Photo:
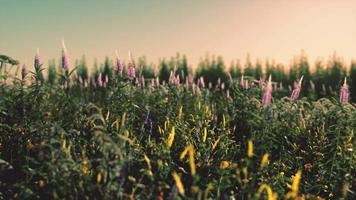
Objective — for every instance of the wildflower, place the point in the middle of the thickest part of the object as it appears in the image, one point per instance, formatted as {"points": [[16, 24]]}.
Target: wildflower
{"points": [[98, 177], [157, 81], [177, 80], [224, 164], [86, 167], [119, 65], [344, 93], [267, 94], [131, 72], [194, 88], [23, 72], [201, 82], [296, 90], [205, 134], [270, 194], [41, 183], [295, 185], [123, 118], [143, 82], [148, 161], [180, 113], [179, 183], [189, 149], [37, 62], [242, 82], [215, 144], [308, 166], [194, 189], [250, 148], [171, 137], [65, 58], [264, 160]]}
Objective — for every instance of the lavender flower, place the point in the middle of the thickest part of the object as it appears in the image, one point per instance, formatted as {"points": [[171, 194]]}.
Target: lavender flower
{"points": [[194, 88], [267, 94], [201, 82], [242, 82], [344, 93], [296, 90], [65, 58], [177, 80], [131, 72], [143, 82], [37, 62], [246, 85], [119, 65], [23, 72], [157, 81]]}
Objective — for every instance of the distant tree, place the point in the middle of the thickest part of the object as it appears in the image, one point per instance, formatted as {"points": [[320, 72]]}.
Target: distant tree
{"points": [[318, 78], [353, 80], [336, 73], [212, 71], [303, 70], [107, 69], [236, 69], [249, 69], [52, 72], [164, 71], [82, 69], [258, 70]]}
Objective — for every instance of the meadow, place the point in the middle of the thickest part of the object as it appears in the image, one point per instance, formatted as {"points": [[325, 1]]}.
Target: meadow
{"points": [[127, 132]]}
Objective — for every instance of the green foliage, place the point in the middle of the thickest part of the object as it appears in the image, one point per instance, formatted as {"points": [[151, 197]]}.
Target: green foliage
{"points": [[112, 142]]}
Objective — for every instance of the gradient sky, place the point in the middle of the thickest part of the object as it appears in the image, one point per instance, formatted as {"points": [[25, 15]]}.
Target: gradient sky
{"points": [[159, 28]]}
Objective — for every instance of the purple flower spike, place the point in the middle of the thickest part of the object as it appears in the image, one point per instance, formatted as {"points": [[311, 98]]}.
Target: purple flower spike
{"points": [[242, 82], [201, 82], [65, 59], [296, 90], [267, 94], [131, 72], [344, 93], [37, 61], [119, 65], [23, 72]]}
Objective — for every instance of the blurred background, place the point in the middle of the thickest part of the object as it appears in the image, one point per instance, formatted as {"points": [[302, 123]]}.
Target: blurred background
{"points": [[286, 39], [159, 29]]}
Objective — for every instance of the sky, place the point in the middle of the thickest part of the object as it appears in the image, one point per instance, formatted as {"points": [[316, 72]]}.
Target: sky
{"points": [[273, 29]]}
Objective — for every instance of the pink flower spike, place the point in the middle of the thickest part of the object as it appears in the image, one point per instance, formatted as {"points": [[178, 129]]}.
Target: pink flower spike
{"points": [[267, 94], [344, 93], [37, 62], [296, 90], [65, 58]]}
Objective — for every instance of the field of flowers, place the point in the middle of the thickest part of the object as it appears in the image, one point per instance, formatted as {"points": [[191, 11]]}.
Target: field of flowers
{"points": [[124, 137]]}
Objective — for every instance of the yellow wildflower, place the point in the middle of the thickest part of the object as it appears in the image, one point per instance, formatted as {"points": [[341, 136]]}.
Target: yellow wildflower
{"points": [[180, 113], [250, 149], [171, 137], [123, 118], [264, 160], [224, 164], [295, 185], [179, 183], [267, 188], [189, 149], [205, 134]]}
